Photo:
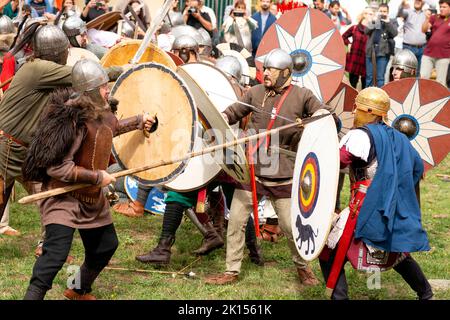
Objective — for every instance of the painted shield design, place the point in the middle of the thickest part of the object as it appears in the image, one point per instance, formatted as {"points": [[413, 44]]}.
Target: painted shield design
{"points": [[315, 45], [422, 109], [243, 55], [217, 131], [342, 102], [314, 186], [155, 201], [171, 101]]}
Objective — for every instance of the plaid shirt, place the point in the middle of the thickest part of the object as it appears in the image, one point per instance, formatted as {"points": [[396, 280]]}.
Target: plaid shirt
{"points": [[356, 58]]}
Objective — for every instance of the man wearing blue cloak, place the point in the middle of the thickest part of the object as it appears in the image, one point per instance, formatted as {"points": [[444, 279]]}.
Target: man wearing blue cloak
{"points": [[383, 223]]}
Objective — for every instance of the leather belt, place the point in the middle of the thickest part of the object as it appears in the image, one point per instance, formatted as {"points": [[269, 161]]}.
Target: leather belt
{"points": [[23, 144], [415, 45]]}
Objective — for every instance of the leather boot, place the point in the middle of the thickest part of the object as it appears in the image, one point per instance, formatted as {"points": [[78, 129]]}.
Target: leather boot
{"points": [[211, 241], [133, 209], [255, 253], [34, 293], [307, 277], [218, 218], [161, 254]]}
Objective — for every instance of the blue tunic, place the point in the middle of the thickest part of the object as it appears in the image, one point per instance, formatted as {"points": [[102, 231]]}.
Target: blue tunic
{"points": [[390, 218]]}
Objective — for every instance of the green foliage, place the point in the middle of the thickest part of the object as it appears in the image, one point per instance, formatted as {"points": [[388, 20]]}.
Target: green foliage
{"points": [[277, 280]]}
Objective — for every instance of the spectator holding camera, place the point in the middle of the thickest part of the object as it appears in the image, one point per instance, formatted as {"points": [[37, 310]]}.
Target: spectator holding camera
{"points": [[42, 7], [380, 46], [238, 26], [94, 9], [194, 17], [437, 51], [335, 14]]}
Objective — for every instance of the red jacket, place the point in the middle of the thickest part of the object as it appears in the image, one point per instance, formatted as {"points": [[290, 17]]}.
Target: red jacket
{"points": [[356, 58]]}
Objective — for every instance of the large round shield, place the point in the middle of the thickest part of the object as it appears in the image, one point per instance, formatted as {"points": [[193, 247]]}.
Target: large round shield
{"points": [[122, 53], [342, 102], [158, 91], [314, 187], [155, 200], [422, 107], [76, 54], [245, 59], [315, 45], [201, 170], [217, 131]]}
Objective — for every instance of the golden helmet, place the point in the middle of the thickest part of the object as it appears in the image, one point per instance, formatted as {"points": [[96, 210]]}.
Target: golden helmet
{"points": [[373, 100]]}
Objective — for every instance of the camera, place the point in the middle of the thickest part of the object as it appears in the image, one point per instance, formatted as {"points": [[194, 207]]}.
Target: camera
{"points": [[192, 10], [238, 13]]}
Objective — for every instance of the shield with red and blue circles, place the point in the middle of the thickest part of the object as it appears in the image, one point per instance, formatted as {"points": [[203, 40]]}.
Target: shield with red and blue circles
{"points": [[314, 186]]}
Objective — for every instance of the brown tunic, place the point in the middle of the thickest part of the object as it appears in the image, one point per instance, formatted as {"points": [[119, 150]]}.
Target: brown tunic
{"points": [[300, 103], [79, 209]]}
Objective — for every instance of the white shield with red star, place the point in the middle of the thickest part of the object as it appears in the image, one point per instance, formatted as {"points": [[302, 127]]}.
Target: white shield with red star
{"points": [[315, 45], [424, 106]]}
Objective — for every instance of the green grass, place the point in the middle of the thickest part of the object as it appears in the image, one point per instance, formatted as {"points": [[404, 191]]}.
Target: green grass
{"points": [[277, 280]]}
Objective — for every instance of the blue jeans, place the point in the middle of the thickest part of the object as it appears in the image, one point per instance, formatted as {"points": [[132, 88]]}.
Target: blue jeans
{"points": [[381, 69], [418, 52]]}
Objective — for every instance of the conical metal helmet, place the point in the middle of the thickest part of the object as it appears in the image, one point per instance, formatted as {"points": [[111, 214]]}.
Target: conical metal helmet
{"points": [[88, 75], [6, 25], [407, 61], [278, 59], [185, 42], [74, 26], [188, 31], [230, 65], [49, 40], [206, 38]]}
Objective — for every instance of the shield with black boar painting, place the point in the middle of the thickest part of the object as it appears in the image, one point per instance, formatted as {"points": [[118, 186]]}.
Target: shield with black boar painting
{"points": [[155, 89], [315, 45], [314, 187], [421, 109]]}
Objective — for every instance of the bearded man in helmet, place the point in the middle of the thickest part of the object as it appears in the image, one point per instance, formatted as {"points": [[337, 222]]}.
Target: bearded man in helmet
{"points": [[276, 96], [76, 31], [384, 211], [73, 145]]}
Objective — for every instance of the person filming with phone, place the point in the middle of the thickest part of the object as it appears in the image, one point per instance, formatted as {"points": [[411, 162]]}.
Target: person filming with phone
{"points": [[238, 26], [94, 9]]}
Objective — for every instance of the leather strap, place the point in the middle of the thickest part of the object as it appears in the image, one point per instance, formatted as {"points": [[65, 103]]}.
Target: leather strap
{"points": [[251, 152], [10, 137], [359, 190]]}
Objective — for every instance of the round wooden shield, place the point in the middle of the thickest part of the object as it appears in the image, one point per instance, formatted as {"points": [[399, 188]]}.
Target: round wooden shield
{"points": [[342, 102], [76, 54], [243, 55], [217, 131], [310, 37], [170, 100], [105, 22], [178, 61], [314, 187], [122, 53], [425, 105], [155, 201], [201, 170]]}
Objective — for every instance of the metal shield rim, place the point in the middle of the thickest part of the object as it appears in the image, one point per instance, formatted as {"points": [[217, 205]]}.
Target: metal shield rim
{"points": [[192, 104], [202, 118], [318, 249]]}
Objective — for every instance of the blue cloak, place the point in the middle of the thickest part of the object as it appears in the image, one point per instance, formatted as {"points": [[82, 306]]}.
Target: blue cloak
{"points": [[390, 217]]}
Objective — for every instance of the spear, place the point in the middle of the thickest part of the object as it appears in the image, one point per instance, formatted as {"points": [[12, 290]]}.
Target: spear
{"points": [[66, 189]]}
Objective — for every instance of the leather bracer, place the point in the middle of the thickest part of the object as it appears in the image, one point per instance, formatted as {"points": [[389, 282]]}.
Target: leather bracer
{"points": [[130, 124], [83, 175]]}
